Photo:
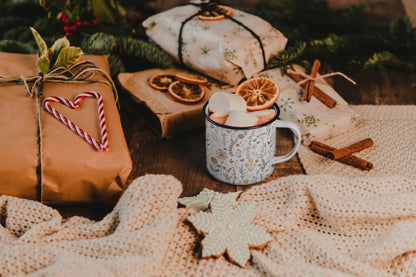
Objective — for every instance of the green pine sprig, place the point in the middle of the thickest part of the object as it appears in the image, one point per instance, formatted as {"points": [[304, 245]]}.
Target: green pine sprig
{"points": [[127, 53], [290, 56]]}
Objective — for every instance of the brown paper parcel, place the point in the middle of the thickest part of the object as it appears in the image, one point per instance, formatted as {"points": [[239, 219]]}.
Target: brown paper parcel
{"points": [[68, 169], [170, 117]]}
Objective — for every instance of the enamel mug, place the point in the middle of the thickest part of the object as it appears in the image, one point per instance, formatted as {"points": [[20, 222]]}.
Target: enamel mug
{"points": [[245, 155]]}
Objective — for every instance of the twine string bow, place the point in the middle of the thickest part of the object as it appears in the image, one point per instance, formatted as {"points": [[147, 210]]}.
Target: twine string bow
{"points": [[319, 78], [302, 78], [209, 6], [81, 72]]}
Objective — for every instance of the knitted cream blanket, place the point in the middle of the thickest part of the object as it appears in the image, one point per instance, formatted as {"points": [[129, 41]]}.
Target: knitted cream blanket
{"points": [[321, 226], [393, 130]]}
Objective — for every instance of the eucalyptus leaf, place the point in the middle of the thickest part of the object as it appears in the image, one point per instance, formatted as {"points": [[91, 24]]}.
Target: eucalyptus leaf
{"points": [[68, 56], [57, 46], [43, 48], [43, 64]]}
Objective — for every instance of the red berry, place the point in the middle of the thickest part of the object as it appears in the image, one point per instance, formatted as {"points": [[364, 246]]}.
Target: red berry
{"points": [[65, 20], [86, 23], [62, 16], [95, 21], [68, 34], [78, 23], [66, 28], [73, 28]]}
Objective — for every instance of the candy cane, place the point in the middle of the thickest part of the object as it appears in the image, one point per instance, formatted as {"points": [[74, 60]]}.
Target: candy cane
{"points": [[103, 146]]}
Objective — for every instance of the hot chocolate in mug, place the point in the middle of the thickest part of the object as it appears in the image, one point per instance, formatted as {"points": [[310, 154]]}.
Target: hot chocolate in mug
{"points": [[245, 155]]}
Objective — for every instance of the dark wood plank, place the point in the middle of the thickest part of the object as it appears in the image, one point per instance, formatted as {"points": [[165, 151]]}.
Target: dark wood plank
{"points": [[381, 88]]}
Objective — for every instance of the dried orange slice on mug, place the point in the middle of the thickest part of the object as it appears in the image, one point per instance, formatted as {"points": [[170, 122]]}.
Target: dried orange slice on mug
{"points": [[191, 78], [217, 13], [259, 93], [185, 92], [162, 81]]}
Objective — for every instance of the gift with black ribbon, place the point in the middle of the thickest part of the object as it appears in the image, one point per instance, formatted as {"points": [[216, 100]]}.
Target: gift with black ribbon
{"points": [[46, 158], [229, 46]]}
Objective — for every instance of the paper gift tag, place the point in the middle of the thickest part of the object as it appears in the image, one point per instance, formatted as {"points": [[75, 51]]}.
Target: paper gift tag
{"points": [[316, 121]]}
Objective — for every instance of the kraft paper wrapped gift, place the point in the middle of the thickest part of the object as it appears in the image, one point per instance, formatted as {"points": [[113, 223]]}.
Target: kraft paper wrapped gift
{"points": [[60, 167], [167, 116], [315, 120], [222, 49]]}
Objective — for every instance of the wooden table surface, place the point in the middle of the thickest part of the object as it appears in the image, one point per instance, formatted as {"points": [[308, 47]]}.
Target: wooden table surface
{"points": [[184, 156]]}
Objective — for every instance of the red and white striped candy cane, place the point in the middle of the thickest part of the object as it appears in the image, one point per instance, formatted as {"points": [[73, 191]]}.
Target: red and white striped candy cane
{"points": [[103, 146]]}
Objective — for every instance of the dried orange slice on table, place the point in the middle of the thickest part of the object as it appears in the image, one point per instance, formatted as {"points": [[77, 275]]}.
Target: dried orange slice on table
{"points": [[162, 81], [185, 92], [217, 13], [192, 78], [259, 93]]}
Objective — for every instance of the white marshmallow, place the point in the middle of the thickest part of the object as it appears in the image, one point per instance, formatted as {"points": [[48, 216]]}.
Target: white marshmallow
{"points": [[264, 115], [219, 118], [238, 118], [224, 102]]}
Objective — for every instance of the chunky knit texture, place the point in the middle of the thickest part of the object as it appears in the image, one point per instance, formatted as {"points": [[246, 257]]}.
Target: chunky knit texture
{"points": [[321, 226], [393, 130]]}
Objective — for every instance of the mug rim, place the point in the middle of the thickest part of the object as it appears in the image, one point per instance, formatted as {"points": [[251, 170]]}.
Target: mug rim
{"points": [[274, 106]]}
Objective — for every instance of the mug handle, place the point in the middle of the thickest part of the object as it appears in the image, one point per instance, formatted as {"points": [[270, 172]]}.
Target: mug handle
{"points": [[296, 131]]}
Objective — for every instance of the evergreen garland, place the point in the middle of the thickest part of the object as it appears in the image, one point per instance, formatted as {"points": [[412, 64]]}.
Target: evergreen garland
{"points": [[126, 53], [340, 38], [124, 44], [16, 47]]}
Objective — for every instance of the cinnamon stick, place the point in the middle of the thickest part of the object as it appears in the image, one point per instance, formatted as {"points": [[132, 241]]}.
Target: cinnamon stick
{"points": [[317, 92], [324, 98], [324, 150], [356, 147], [310, 84]]}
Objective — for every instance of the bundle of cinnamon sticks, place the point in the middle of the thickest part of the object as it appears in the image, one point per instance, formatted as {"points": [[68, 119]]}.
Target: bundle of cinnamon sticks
{"points": [[344, 155], [310, 88]]}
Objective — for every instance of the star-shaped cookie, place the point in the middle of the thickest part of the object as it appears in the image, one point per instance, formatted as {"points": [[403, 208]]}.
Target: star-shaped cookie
{"points": [[202, 200], [229, 228]]}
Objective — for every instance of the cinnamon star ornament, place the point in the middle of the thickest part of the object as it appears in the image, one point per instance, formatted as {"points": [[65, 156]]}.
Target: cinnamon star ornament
{"points": [[228, 228]]}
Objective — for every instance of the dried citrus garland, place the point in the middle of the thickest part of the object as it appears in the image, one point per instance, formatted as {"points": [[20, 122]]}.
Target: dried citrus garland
{"points": [[217, 13], [182, 87]]}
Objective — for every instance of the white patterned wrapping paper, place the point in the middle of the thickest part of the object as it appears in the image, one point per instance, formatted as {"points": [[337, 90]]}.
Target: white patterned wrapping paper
{"points": [[315, 120], [221, 49]]}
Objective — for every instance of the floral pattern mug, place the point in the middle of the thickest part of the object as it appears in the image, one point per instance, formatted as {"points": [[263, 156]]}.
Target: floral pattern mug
{"points": [[245, 155]]}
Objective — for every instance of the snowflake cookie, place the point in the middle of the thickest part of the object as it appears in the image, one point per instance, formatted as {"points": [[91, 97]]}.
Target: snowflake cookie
{"points": [[227, 227], [202, 200]]}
